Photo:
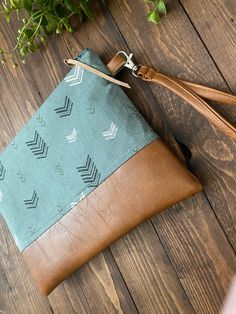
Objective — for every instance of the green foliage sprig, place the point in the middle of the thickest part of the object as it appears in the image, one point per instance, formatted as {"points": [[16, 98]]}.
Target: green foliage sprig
{"points": [[39, 18], [159, 10]]}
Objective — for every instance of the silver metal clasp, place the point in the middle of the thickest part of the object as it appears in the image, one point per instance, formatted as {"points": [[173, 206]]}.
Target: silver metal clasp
{"points": [[130, 64]]}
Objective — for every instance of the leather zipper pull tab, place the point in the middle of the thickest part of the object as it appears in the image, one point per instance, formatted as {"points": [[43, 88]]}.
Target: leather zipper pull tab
{"points": [[72, 62]]}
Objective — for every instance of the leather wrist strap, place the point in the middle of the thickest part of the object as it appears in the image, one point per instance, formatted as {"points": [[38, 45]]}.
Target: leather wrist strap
{"points": [[190, 92], [185, 92], [118, 62]]}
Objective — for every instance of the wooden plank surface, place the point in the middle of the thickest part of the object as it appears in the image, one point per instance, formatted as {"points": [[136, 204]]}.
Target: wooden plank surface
{"points": [[181, 261], [219, 18], [180, 52], [18, 294], [147, 271], [198, 249], [95, 288]]}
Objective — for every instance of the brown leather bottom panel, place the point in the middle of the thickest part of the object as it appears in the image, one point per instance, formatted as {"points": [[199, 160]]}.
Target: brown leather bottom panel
{"points": [[150, 181]]}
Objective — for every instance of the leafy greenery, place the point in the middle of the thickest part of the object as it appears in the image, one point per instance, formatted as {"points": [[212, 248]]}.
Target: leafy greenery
{"points": [[40, 18], [159, 10]]}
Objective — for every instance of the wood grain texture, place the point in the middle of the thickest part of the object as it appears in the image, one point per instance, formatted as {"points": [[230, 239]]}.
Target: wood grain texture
{"points": [[181, 261], [148, 273], [199, 251], [95, 288], [215, 22], [18, 294], [179, 52], [111, 291]]}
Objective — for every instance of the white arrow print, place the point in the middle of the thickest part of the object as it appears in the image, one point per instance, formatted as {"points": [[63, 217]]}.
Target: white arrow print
{"points": [[76, 78], [73, 204], [72, 137], [1, 196], [111, 134], [82, 196]]}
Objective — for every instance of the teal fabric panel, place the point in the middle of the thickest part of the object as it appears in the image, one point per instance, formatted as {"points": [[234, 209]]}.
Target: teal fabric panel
{"points": [[80, 135]]}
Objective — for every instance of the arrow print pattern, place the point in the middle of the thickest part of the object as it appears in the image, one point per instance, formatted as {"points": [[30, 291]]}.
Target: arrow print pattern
{"points": [[33, 202], [91, 109], [40, 120], [31, 230], [82, 196], [20, 176], [14, 145], [76, 78], [2, 171], [60, 209], [73, 204], [111, 133], [38, 146], [59, 168], [66, 109], [89, 173], [72, 137]]}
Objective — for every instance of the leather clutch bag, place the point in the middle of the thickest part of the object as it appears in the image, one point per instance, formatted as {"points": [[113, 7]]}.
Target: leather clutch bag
{"points": [[85, 170]]}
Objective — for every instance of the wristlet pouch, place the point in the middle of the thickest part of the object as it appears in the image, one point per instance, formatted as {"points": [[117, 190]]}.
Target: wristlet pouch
{"points": [[82, 172]]}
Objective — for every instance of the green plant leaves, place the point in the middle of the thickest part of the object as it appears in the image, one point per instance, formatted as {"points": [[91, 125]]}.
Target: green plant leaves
{"points": [[52, 24], [153, 17], [84, 4], [44, 17], [27, 4], [15, 4], [159, 9], [67, 25], [71, 6], [7, 12], [26, 34], [23, 51]]}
